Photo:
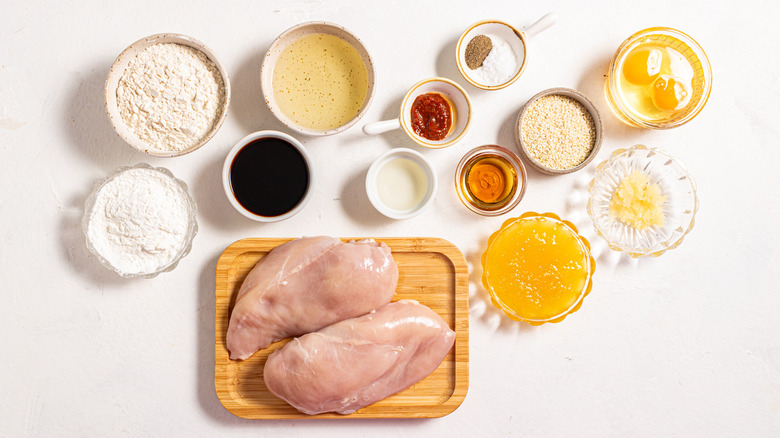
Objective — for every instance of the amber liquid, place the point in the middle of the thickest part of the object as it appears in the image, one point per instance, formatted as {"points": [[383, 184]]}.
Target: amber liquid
{"points": [[269, 177], [490, 182]]}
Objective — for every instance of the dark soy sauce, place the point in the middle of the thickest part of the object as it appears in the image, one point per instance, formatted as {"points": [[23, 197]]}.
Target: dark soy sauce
{"points": [[269, 177]]}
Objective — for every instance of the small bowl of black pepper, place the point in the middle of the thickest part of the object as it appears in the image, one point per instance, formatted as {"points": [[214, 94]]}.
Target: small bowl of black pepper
{"points": [[492, 54], [558, 131]]}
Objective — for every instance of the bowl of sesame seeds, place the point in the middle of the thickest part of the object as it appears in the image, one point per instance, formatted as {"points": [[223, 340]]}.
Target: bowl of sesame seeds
{"points": [[558, 131]]}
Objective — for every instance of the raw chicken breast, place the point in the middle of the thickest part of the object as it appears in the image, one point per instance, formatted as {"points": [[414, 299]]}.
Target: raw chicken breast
{"points": [[356, 362], [305, 285]]}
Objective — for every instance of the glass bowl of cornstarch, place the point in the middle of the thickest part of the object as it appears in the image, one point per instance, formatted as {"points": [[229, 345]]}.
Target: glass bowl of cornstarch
{"points": [[140, 221], [167, 95]]}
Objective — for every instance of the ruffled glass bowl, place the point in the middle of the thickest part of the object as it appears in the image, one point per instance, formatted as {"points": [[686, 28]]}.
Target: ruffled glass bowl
{"points": [[192, 228], [555, 312], [679, 207]]}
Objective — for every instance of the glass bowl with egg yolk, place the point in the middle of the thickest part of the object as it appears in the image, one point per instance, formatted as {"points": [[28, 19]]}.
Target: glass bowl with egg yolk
{"points": [[659, 78], [537, 268]]}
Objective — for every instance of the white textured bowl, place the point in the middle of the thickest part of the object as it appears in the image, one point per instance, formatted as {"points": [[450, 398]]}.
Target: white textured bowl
{"points": [[229, 188], [118, 70], [372, 185], [288, 37]]}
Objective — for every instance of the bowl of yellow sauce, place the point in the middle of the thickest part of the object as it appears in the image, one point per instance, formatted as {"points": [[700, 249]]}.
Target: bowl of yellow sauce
{"points": [[317, 78], [659, 78], [537, 268]]}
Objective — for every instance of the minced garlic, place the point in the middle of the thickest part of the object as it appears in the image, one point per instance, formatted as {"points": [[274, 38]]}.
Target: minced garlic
{"points": [[637, 202]]}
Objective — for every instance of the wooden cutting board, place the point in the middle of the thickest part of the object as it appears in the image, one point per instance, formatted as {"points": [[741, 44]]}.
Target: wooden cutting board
{"points": [[431, 271]]}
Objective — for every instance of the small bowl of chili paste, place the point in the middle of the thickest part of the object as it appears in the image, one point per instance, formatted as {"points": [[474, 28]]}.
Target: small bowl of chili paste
{"points": [[435, 113]]}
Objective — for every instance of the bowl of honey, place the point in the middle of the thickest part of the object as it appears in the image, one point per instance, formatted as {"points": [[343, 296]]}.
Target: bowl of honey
{"points": [[659, 78], [490, 180], [537, 268]]}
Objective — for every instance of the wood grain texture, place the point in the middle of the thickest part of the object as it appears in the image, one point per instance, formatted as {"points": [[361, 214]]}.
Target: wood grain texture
{"points": [[432, 271]]}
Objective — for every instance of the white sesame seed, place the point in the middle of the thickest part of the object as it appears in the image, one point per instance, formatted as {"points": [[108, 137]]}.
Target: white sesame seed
{"points": [[558, 132]]}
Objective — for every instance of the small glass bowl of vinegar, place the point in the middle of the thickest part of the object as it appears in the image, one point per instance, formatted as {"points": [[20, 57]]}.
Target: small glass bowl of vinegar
{"points": [[490, 180], [659, 78], [537, 268]]}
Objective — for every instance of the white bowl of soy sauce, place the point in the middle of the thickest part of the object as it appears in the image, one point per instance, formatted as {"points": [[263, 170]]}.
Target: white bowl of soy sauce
{"points": [[268, 176]]}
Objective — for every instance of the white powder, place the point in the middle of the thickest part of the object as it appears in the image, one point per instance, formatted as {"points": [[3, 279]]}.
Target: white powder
{"points": [[170, 96], [499, 66], [140, 220]]}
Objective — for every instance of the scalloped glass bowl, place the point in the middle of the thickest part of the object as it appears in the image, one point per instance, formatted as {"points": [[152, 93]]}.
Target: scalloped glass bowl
{"points": [[679, 207], [557, 309], [192, 228]]}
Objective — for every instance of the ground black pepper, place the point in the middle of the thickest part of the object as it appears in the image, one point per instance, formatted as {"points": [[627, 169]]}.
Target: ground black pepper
{"points": [[477, 50]]}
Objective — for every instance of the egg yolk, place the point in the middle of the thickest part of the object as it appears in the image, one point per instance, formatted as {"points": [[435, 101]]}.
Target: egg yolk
{"points": [[669, 93], [642, 66]]}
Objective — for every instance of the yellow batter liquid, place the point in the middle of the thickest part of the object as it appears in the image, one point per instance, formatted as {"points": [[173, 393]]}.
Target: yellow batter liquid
{"points": [[320, 82], [537, 268]]}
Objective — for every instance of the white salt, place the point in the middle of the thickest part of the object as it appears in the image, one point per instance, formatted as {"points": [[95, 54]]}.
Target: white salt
{"points": [[499, 66]]}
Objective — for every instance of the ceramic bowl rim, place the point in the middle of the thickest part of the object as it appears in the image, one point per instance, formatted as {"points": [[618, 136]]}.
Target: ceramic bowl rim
{"points": [[459, 62], [373, 195], [227, 186], [586, 103], [405, 103], [269, 63], [115, 74]]}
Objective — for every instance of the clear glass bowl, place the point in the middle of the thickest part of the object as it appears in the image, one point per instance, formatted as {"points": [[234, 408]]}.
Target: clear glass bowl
{"points": [[192, 228], [506, 203], [679, 208], [557, 309], [674, 39]]}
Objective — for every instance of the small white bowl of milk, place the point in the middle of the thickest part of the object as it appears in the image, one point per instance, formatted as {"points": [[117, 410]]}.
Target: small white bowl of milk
{"points": [[401, 183]]}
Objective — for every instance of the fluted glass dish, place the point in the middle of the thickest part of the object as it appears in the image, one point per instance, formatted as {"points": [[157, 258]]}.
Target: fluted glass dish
{"points": [[192, 227], [679, 207], [537, 268]]}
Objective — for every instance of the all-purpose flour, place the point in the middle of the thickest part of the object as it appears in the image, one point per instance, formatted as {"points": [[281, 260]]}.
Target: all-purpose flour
{"points": [[139, 221], [171, 96]]}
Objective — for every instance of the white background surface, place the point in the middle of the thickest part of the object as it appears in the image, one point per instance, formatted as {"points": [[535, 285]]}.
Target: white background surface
{"points": [[683, 345]]}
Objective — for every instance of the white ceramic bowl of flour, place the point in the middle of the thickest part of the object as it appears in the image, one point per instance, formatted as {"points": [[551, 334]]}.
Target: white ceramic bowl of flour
{"points": [[140, 221], [167, 95]]}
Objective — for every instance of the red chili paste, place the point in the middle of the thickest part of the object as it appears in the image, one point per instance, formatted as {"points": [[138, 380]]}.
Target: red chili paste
{"points": [[431, 116]]}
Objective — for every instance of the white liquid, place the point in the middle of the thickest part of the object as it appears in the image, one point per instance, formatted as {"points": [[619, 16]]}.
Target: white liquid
{"points": [[401, 184]]}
